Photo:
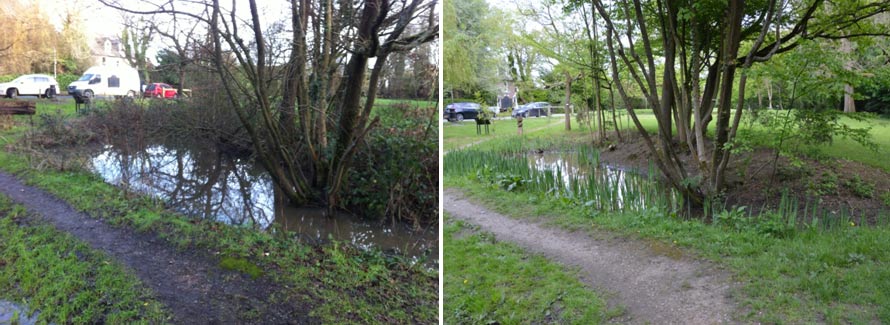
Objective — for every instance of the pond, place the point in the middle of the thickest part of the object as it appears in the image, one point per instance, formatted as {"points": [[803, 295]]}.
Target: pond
{"points": [[577, 174], [206, 183]]}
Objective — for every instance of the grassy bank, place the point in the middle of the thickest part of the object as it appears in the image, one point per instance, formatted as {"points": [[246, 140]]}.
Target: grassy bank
{"points": [[65, 280], [488, 281], [342, 283]]}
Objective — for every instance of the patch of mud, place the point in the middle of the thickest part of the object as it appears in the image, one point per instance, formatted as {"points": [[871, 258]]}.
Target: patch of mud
{"points": [[655, 285], [189, 283], [757, 179]]}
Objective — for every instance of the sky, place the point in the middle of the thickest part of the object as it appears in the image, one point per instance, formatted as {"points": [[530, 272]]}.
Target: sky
{"points": [[100, 20]]}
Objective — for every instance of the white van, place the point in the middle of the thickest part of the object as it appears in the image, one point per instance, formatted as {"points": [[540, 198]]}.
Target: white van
{"points": [[106, 81]]}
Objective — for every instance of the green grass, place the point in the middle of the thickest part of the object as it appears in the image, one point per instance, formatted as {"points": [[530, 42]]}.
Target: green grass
{"points": [[64, 279], [344, 284], [411, 102], [458, 135], [850, 150], [241, 265], [797, 276], [488, 281]]}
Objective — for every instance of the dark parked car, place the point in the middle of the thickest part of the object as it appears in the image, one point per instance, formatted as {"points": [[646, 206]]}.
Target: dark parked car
{"points": [[533, 109], [461, 111]]}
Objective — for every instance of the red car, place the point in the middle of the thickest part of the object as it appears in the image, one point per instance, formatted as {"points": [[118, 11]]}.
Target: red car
{"points": [[160, 90]]}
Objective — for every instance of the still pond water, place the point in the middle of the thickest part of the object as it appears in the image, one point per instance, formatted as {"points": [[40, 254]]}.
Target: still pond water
{"points": [[608, 187], [205, 183]]}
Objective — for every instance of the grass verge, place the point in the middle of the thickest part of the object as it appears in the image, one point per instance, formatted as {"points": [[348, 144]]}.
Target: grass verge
{"points": [[66, 281], [802, 276], [492, 282]]}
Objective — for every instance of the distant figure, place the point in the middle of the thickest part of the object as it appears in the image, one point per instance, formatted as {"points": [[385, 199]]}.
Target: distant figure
{"points": [[519, 124]]}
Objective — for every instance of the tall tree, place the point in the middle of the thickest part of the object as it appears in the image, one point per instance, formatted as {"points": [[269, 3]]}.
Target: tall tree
{"points": [[135, 38], [473, 37]]}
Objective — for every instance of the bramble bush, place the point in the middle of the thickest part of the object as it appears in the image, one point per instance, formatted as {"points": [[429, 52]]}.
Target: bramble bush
{"points": [[396, 174]]}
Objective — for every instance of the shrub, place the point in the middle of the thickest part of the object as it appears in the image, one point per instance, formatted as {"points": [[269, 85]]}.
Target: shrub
{"points": [[64, 80], [886, 198], [396, 174], [861, 188], [827, 184]]}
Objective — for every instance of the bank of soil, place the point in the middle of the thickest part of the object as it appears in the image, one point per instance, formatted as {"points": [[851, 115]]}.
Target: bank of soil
{"points": [[189, 283], [757, 179], [654, 283]]}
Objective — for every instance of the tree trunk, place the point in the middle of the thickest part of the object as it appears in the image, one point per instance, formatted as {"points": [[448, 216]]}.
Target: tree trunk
{"points": [[849, 104], [729, 52], [568, 102]]}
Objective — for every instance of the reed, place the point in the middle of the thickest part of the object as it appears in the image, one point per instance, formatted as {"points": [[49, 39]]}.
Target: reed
{"points": [[575, 174]]}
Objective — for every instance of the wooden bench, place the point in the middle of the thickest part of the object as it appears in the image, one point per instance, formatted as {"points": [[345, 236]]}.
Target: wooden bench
{"points": [[18, 107], [480, 122]]}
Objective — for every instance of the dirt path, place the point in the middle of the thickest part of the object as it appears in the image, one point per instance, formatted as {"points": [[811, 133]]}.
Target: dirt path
{"points": [[652, 287], [189, 283]]}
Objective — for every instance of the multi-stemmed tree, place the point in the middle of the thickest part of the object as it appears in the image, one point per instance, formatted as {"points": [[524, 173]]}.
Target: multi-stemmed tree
{"points": [[711, 41], [302, 87]]}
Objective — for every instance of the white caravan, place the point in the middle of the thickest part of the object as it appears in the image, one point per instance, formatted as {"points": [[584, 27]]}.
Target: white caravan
{"points": [[106, 81]]}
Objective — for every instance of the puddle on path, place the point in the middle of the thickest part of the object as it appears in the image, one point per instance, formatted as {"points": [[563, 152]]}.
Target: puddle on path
{"points": [[206, 183], [11, 313]]}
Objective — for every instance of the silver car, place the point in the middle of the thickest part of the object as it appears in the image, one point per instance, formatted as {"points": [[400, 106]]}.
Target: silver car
{"points": [[30, 85]]}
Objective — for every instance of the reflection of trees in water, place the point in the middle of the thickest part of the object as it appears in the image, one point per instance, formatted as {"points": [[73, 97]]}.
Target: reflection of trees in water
{"points": [[201, 183]]}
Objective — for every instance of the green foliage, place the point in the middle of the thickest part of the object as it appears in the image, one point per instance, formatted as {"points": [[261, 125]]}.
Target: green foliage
{"points": [[471, 32], [886, 198], [826, 185], [64, 80], [489, 282], [861, 188], [795, 130], [505, 181], [396, 175], [768, 224], [168, 66]]}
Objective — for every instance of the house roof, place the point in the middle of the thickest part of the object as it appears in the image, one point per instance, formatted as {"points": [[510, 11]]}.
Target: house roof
{"points": [[110, 46]]}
